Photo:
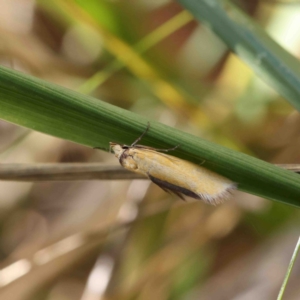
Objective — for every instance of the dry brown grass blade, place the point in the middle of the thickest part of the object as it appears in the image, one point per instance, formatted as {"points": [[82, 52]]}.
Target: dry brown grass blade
{"points": [[64, 171]]}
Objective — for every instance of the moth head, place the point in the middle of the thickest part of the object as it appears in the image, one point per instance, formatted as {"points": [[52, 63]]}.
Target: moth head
{"points": [[125, 158], [117, 149]]}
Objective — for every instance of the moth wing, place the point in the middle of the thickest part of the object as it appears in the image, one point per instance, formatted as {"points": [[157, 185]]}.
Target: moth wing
{"points": [[167, 186], [176, 174], [171, 158]]}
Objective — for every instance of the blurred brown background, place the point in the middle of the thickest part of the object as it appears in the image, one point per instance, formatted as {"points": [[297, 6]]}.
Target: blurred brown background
{"points": [[124, 240]]}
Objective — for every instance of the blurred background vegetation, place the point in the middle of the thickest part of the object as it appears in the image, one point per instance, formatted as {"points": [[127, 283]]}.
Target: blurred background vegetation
{"points": [[128, 239]]}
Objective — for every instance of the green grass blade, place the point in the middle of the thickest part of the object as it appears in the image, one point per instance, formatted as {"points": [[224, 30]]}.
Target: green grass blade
{"points": [[289, 270], [250, 42], [60, 112]]}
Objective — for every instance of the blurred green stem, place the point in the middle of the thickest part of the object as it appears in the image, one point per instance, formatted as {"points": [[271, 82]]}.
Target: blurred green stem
{"points": [[288, 273], [252, 44], [142, 46]]}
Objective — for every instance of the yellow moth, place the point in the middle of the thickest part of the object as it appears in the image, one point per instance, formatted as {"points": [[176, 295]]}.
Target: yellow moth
{"points": [[173, 174]]}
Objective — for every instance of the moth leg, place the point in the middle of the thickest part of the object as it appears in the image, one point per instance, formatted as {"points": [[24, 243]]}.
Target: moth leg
{"points": [[179, 195], [166, 186]]}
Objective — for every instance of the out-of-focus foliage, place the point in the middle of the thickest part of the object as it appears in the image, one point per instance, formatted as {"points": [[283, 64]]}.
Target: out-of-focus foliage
{"points": [[130, 240]]}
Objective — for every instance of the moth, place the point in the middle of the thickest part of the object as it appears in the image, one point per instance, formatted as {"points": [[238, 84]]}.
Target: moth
{"points": [[173, 174]]}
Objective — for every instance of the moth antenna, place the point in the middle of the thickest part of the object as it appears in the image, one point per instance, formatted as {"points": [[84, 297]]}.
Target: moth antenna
{"points": [[169, 149], [139, 138]]}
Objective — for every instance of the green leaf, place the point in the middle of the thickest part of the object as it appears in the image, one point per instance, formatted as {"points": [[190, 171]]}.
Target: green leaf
{"points": [[60, 112], [252, 44]]}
